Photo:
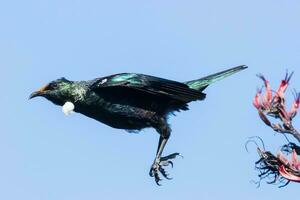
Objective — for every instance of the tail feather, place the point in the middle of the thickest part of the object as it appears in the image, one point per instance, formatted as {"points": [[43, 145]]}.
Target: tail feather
{"points": [[202, 83]]}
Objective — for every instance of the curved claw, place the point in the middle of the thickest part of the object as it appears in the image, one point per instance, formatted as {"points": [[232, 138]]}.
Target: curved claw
{"points": [[154, 173], [151, 172], [171, 156], [164, 163], [158, 167], [157, 179], [164, 173], [171, 163]]}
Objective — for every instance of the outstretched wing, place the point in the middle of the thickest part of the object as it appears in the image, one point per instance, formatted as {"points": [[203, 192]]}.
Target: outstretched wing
{"points": [[146, 91], [149, 85]]}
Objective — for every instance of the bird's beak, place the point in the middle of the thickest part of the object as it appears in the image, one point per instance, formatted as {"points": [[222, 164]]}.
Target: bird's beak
{"points": [[39, 92]]}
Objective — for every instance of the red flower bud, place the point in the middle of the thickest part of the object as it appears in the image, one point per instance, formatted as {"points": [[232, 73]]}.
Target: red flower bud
{"points": [[268, 94], [289, 176], [256, 100], [283, 85], [295, 106], [295, 161]]}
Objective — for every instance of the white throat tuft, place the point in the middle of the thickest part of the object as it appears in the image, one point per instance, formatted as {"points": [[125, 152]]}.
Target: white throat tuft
{"points": [[68, 108]]}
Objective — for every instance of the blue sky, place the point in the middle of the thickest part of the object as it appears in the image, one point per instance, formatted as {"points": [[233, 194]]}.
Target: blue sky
{"points": [[46, 155]]}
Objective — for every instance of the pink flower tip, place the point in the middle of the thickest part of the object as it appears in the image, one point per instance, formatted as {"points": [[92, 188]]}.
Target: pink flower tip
{"points": [[295, 106], [284, 84], [256, 100], [288, 175]]}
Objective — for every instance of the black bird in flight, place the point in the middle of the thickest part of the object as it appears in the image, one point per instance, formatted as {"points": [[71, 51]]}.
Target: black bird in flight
{"points": [[132, 102]]}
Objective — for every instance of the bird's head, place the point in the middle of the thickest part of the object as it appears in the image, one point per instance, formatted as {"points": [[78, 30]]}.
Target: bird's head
{"points": [[58, 91]]}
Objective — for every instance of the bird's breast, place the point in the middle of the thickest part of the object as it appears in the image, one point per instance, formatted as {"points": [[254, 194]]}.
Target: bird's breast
{"points": [[116, 115]]}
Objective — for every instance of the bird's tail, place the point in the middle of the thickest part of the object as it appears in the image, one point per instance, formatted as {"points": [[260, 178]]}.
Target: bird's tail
{"points": [[202, 83]]}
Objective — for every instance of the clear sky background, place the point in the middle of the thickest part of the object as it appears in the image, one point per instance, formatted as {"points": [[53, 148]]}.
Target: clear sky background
{"points": [[48, 156]]}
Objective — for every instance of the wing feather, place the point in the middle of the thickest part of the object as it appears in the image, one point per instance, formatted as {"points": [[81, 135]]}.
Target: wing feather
{"points": [[149, 85]]}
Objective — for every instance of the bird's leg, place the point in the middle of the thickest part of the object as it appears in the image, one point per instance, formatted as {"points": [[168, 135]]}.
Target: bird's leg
{"points": [[165, 161], [161, 162]]}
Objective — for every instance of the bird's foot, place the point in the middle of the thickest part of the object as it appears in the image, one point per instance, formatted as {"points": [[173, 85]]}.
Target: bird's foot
{"points": [[158, 167]]}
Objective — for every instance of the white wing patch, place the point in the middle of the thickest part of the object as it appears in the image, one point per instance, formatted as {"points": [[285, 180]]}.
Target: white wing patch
{"points": [[103, 81], [68, 108]]}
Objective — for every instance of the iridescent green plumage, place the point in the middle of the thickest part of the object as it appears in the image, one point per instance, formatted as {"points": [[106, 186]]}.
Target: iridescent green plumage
{"points": [[132, 101], [202, 83]]}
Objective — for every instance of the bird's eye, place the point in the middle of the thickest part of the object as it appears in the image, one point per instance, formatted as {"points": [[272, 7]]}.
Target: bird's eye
{"points": [[52, 86]]}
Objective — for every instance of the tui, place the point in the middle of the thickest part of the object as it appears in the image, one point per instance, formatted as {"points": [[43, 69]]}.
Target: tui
{"points": [[132, 102]]}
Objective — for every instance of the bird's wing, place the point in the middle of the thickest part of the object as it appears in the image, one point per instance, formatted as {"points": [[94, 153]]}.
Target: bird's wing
{"points": [[148, 85]]}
